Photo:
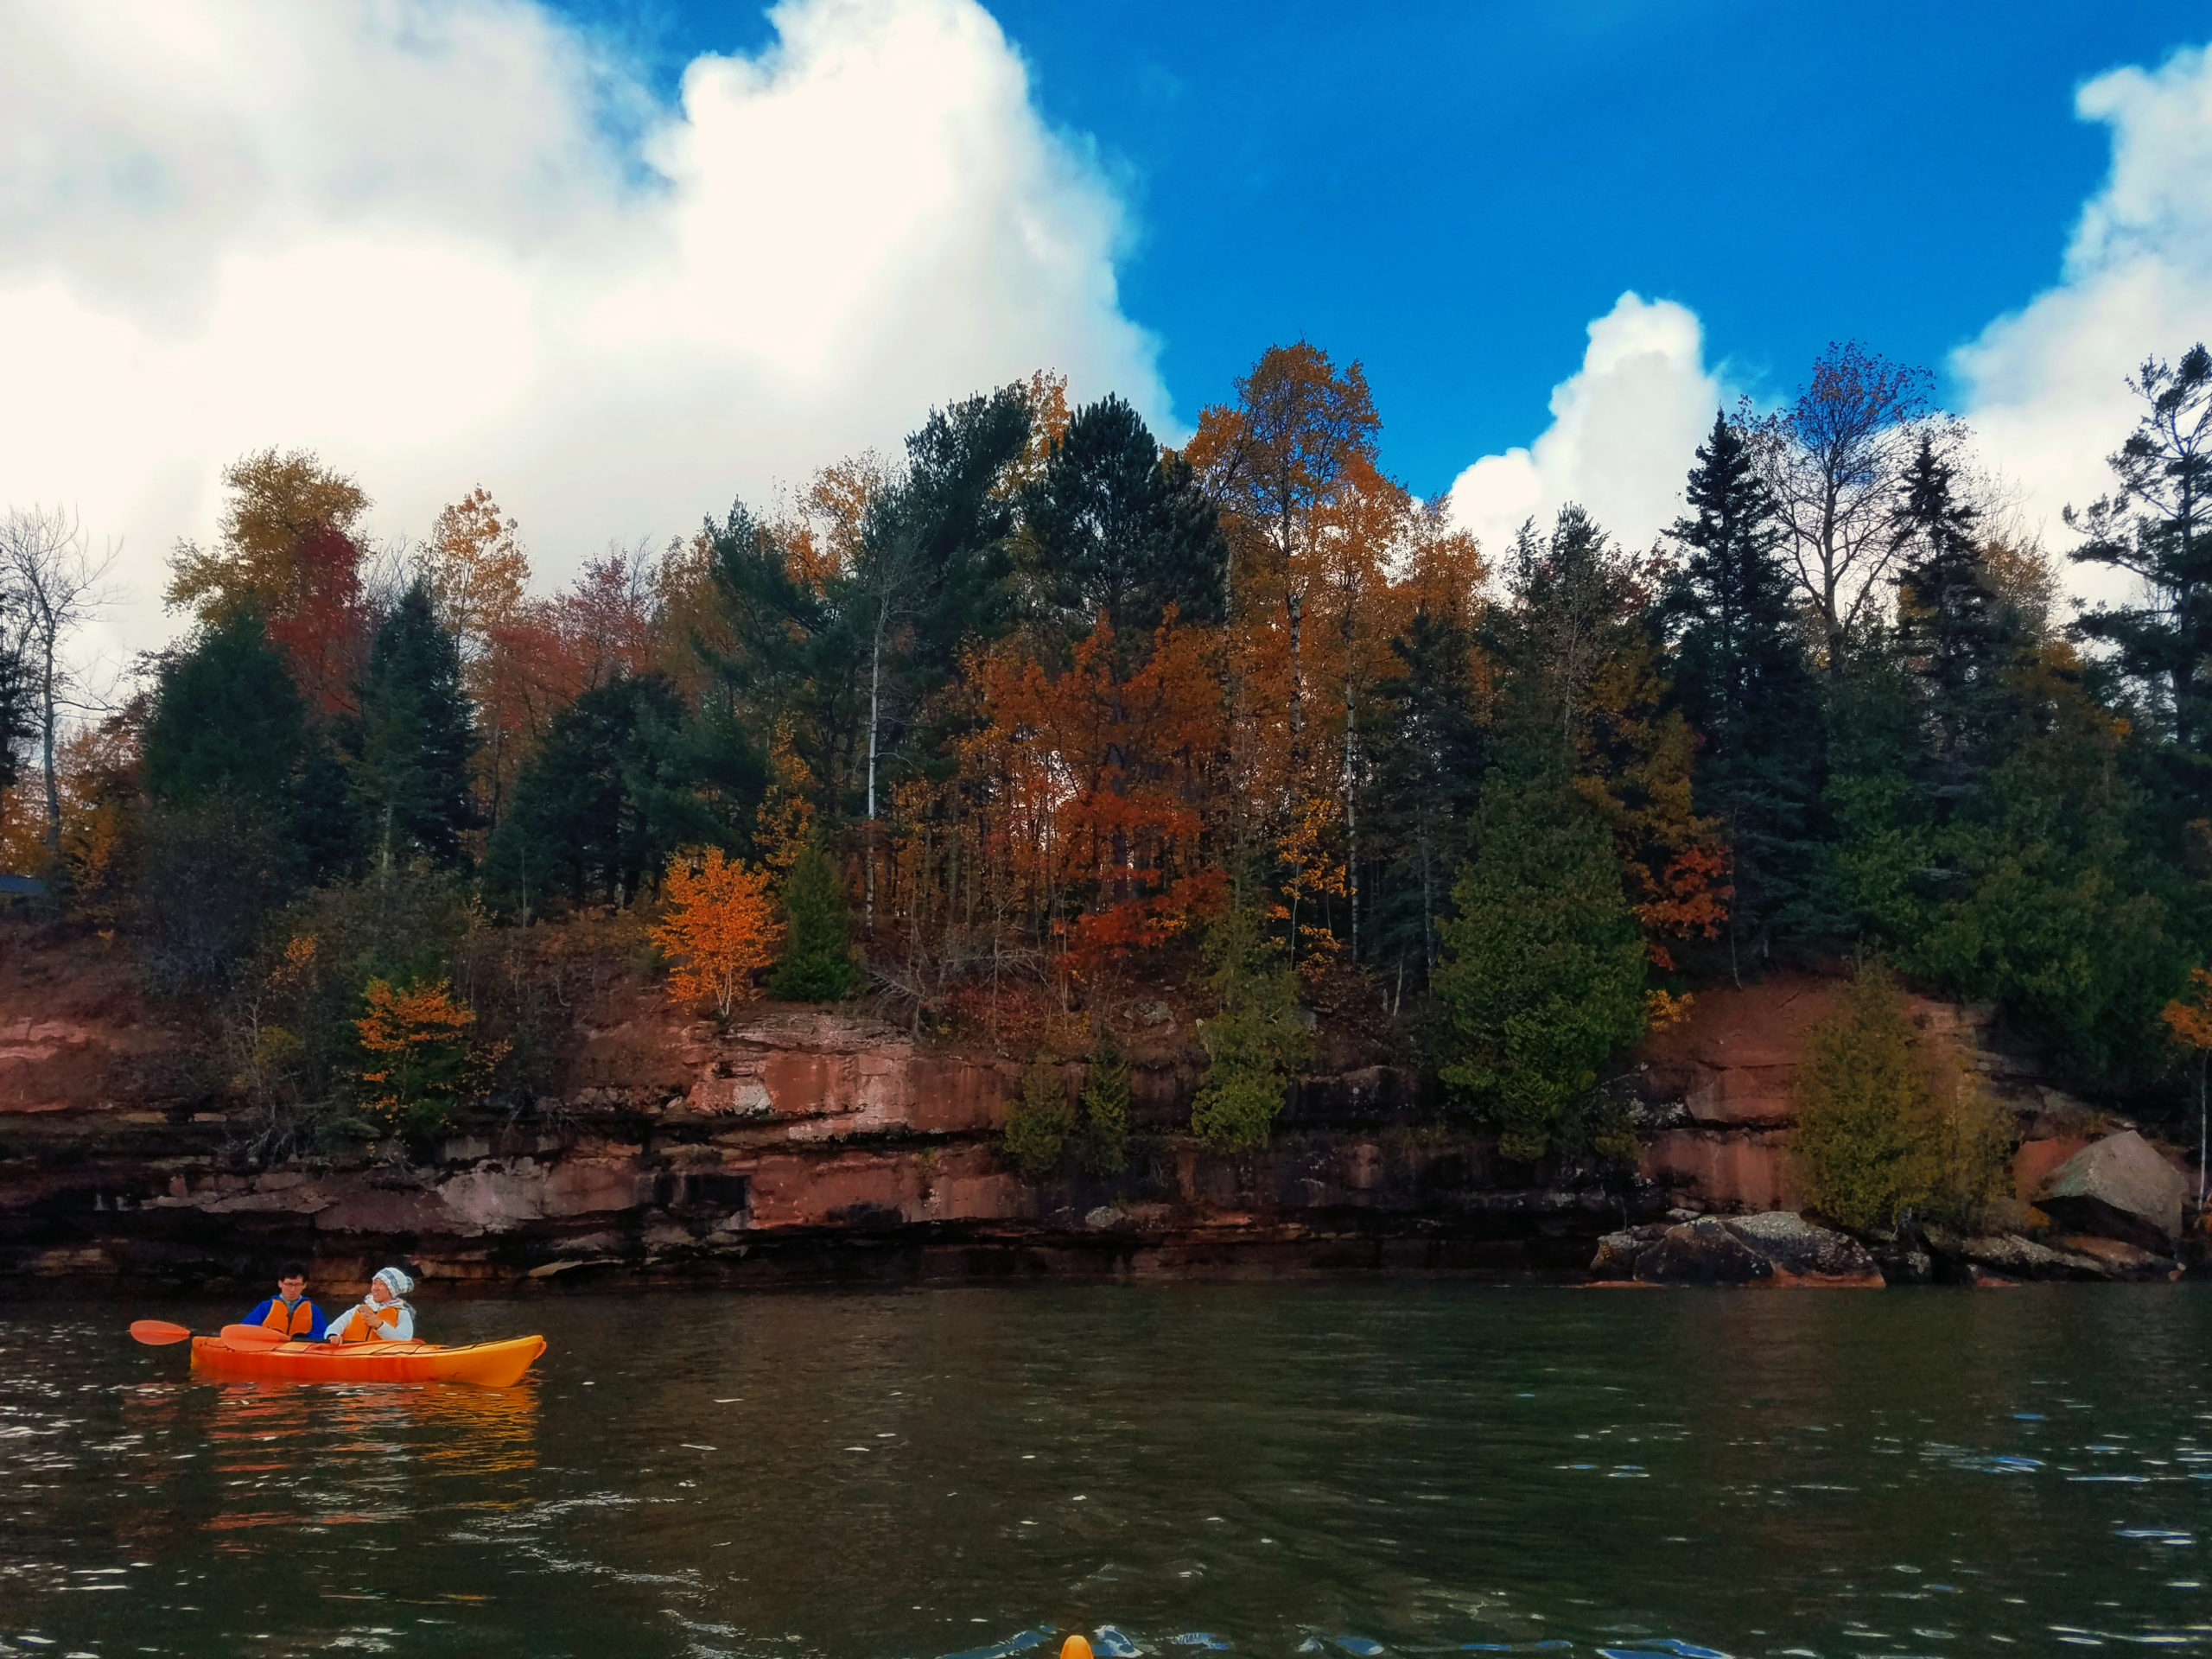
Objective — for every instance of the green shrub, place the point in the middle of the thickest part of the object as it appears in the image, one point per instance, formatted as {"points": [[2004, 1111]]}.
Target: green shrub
{"points": [[1891, 1126], [1964, 1144], [1106, 1114], [1257, 1040], [817, 962], [1038, 1127]]}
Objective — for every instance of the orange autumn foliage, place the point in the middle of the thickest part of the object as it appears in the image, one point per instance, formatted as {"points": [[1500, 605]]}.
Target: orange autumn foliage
{"points": [[288, 552], [1098, 781], [722, 926], [544, 654], [2190, 1022], [419, 1038]]}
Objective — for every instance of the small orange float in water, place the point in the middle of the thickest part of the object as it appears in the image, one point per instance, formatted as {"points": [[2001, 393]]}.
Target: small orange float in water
{"points": [[1075, 1647]]}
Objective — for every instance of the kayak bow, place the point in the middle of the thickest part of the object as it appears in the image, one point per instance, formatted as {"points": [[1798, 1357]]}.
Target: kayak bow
{"points": [[490, 1364]]}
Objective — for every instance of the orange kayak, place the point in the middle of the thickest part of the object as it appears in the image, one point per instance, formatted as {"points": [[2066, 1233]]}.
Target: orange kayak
{"points": [[493, 1364]]}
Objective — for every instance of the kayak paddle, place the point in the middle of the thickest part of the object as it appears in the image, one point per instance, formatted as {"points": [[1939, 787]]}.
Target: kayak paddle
{"points": [[254, 1335], [157, 1333]]}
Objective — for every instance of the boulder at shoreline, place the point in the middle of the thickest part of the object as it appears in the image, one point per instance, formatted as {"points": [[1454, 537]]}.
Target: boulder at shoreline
{"points": [[1774, 1248], [2119, 1188]]}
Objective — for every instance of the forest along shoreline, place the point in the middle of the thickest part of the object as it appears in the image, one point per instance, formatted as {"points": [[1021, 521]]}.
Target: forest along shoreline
{"points": [[799, 1145], [1045, 851]]}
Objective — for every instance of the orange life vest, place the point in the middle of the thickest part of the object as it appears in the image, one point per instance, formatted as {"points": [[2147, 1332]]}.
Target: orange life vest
{"points": [[362, 1324], [297, 1320]]}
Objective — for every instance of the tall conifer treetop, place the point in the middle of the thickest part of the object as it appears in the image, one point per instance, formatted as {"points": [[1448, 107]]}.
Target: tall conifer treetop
{"points": [[2156, 524]]}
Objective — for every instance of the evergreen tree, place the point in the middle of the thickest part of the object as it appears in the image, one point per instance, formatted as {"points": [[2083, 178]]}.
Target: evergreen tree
{"points": [[1120, 528], [605, 801], [225, 744], [1106, 1113], [788, 646], [1741, 678], [227, 720], [2157, 527], [1873, 872], [1575, 610], [1952, 630], [817, 961], [956, 516], [1257, 1040], [1860, 1090], [1038, 1122], [1427, 758], [2046, 891], [1543, 974], [328, 841], [414, 743], [1580, 675]]}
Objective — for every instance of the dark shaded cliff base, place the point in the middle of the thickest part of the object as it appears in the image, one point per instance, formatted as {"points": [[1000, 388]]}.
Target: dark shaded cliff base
{"points": [[800, 1145], [671, 1200]]}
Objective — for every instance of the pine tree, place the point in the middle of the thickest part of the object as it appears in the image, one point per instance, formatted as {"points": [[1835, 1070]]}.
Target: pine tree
{"points": [[1543, 980], [1106, 1113], [225, 745], [1741, 678], [1038, 1122], [1427, 757], [226, 720], [609, 795], [2157, 525], [1118, 527], [817, 961], [1951, 628], [411, 764], [1580, 676]]}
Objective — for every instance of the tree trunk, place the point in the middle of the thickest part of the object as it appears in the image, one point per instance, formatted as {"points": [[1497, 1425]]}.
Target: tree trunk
{"points": [[874, 717], [1351, 818], [46, 741]]}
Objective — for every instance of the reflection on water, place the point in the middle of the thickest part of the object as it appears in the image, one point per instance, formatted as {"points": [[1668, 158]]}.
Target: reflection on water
{"points": [[1370, 1470]]}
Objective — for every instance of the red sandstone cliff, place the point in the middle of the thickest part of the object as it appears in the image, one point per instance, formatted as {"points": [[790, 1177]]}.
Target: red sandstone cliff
{"points": [[806, 1141], [1721, 1083]]}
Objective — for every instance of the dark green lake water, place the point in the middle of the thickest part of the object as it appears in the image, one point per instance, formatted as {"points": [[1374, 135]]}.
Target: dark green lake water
{"points": [[1356, 1469]]}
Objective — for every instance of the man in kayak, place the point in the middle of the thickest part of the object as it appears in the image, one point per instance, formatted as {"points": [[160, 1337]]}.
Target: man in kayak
{"points": [[288, 1310], [382, 1315]]}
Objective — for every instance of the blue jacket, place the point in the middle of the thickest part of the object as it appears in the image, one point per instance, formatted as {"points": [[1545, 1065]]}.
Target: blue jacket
{"points": [[299, 1318]]}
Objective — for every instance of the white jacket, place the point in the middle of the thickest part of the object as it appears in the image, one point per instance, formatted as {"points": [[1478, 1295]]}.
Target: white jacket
{"points": [[372, 1321]]}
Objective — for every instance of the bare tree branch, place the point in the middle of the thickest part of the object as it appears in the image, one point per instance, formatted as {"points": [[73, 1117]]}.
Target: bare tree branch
{"points": [[1832, 458], [58, 584]]}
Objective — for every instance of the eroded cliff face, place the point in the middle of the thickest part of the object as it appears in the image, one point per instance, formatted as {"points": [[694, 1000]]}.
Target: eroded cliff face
{"points": [[805, 1142], [797, 1142]]}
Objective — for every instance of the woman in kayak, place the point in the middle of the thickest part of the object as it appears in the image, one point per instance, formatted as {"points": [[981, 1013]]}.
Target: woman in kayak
{"points": [[383, 1314]]}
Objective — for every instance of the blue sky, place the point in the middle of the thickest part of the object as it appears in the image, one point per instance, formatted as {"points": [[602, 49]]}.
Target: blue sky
{"points": [[619, 262], [1450, 193]]}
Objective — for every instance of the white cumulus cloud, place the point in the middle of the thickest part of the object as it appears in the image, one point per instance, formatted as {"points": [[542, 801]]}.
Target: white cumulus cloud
{"points": [[410, 234], [2044, 386], [1624, 431]]}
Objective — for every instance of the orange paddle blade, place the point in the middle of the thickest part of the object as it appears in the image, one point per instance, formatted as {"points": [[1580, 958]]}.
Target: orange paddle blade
{"points": [[156, 1332], [247, 1336]]}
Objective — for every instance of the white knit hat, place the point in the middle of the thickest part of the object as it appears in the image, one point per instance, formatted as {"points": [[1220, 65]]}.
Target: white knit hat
{"points": [[394, 1280]]}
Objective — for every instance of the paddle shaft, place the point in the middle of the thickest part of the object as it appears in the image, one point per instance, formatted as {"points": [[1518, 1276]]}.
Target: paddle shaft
{"points": [[158, 1333]]}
